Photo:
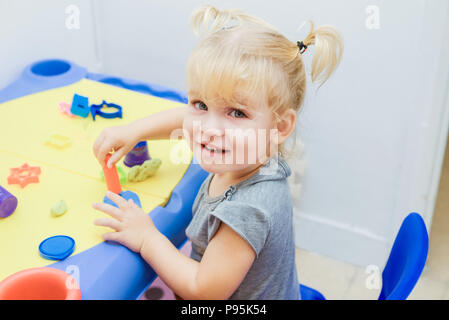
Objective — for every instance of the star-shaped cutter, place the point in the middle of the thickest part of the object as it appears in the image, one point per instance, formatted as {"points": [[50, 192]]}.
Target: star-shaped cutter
{"points": [[95, 109], [58, 141], [24, 175]]}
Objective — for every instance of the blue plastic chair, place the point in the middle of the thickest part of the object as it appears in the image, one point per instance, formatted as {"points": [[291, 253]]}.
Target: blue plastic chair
{"points": [[407, 259], [308, 293], [404, 265]]}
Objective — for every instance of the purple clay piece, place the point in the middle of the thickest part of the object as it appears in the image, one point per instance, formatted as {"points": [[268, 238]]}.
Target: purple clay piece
{"points": [[138, 155], [8, 203]]}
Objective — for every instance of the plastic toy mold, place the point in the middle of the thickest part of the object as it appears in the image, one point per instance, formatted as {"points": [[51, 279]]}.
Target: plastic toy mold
{"points": [[58, 141], [65, 107], [24, 175], [95, 110], [138, 155], [80, 106]]}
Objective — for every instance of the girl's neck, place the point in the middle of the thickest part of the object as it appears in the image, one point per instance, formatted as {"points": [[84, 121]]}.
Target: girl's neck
{"points": [[235, 177]]}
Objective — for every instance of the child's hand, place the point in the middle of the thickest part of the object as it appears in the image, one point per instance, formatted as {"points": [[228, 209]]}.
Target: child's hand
{"points": [[132, 225], [121, 139]]}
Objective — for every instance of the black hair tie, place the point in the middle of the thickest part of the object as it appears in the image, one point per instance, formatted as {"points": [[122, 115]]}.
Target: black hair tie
{"points": [[302, 47]]}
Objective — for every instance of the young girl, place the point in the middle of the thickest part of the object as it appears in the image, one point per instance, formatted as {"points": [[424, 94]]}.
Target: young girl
{"points": [[246, 84]]}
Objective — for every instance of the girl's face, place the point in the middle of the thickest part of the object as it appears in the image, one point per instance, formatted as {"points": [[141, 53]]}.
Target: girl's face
{"points": [[229, 138]]}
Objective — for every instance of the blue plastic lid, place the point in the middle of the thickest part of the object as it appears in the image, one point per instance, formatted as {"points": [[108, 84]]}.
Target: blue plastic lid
{"points": [[57, 247]]}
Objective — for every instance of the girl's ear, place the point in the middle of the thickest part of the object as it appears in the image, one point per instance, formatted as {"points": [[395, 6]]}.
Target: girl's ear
{"points": [[286, 125]]}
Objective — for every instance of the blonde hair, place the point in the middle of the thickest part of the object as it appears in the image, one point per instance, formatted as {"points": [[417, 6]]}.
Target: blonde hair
{"points": [[241, 51]]}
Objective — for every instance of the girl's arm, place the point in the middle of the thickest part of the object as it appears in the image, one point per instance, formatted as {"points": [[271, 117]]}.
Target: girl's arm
{"points": [[225, 262], [123, 138], [159, 125], [224, 265]]}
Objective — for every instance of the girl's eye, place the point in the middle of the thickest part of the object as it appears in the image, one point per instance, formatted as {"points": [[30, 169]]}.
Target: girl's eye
{"points": [[199, 105], [238, 113]]}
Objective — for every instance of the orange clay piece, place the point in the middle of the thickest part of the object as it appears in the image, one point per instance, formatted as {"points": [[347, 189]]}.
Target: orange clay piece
{"points": [[111, 177]]}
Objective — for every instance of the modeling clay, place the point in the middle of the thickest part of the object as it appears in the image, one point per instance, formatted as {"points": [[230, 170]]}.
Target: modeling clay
{"points": [[8, 203], [143, 172], [59, 209], [111, 176]]}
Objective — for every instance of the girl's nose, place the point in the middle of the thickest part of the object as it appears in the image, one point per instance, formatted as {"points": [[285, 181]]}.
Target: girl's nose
{"points": [[212, 128], [210, 133], [214, 135]]}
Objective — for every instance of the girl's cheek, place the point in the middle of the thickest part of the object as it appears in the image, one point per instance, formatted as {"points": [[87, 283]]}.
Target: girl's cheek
{"points": [[187, 130]]}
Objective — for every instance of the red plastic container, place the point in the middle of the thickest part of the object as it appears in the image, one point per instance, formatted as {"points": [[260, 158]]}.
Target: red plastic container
{"points": [[40, 284]]}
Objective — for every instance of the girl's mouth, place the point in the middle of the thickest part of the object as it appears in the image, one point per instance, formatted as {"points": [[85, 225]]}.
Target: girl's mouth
{"points": [[212, 151]]}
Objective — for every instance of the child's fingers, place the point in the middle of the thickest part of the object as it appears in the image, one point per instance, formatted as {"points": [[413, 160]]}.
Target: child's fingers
{"points": [[110, 223], [108, 209], [135, 206], [116, 156], [98, 143], [105, 148], [111, 236], [120, 201]]}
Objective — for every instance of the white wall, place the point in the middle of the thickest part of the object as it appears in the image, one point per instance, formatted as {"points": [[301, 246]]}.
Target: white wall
{"points": [[373, 134], [359, 129], [33, 30]]}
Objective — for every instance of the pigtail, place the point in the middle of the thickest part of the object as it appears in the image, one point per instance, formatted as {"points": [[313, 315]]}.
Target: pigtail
{"points": [[328, 51]]}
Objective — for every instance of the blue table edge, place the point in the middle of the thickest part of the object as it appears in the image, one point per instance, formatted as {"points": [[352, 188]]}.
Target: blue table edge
{"points": [[92, 267]]}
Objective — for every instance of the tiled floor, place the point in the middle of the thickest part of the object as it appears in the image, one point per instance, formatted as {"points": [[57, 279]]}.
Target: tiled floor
{"points": [[338, 280]]}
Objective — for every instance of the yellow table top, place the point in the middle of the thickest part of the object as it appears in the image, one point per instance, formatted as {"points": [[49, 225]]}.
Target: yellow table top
{"points": [[72, 174]]}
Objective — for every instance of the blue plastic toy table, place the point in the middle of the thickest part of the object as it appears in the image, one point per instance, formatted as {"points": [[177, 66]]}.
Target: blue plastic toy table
{"points": [[109, 270]]}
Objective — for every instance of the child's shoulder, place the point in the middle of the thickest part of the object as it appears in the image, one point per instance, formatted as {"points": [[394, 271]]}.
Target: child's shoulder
{"points": [[270, 181], [267, 190]]}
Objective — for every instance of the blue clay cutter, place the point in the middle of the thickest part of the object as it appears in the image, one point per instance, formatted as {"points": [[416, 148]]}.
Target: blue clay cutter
{"points": [[80, 106], [95, 110]]}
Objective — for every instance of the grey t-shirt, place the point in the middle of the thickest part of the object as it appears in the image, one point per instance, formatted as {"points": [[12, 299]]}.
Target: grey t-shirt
{"points": [[260, 210]]}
